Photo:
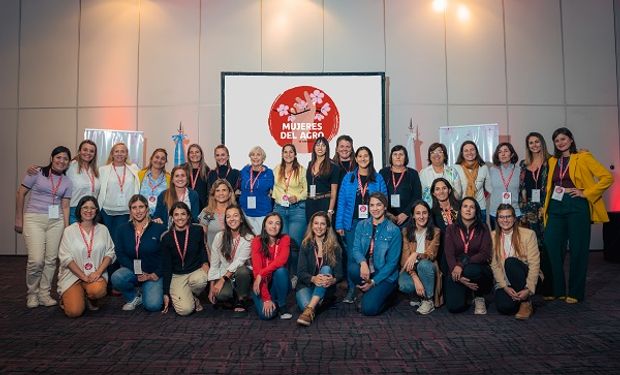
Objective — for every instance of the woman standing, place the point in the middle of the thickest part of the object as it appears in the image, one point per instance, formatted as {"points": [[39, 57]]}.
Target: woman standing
{"points": [[438, 167], [575, 187], [515, 264], [42, 222], [375, 255], [212, 217], [403, 184], [85, 253], [468, 252], [223, 170], [353, 201], [445, 206], [230, 277], [319, 267], [270, 251], [504, 183], [419, 268], [119, 182], [322, 177], [185, 264], [474, 174], [197, 170], [154, 179], [178, 192], [256, 186], [84, 175], [140, 277], [344, 157]]}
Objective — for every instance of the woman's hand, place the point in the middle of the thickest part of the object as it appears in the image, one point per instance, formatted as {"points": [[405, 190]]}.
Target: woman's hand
{"points": [[511, 293], [523, 295], [340, 232], [465, 281], [574, 192], [410, 263], [158, 220], [95, 276], [33, 170], [166, 304], [401, 218], [419, 288], [292, 199], [205, 267], [366, 286], [456, 273], [364, 271], [268, 308], [19, 225], [256, 286]]}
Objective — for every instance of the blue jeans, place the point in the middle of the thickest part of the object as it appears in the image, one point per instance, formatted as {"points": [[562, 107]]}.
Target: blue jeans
{"points": [[375, 299], [347, 259], [278, 288], [303, 296], [294, 224], [126, 282], [426, 272], [112, 222]]}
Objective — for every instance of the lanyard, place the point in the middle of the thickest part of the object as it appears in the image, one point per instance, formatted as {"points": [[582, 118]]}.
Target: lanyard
{"points": [[507, 251], [468, 241], [535, 175], [562, 171], [139, 238], [121, 182], [176, 242], [89, 244], [318, 259], [183, 196], [227, 172], [150, 181], [91, 177], [54, 188], [350, 169], [235, 245], [501, 172], [193, 179], [447, 215], [400, 179], [364, 188], [287, 181], [253, 180]]}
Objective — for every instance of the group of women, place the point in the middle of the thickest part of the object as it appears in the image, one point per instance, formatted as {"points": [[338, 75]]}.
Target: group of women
{"points": [[252, 235]]}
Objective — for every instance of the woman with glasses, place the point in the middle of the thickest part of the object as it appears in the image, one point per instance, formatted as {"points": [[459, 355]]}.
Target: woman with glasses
{"points": [[438, 167]]}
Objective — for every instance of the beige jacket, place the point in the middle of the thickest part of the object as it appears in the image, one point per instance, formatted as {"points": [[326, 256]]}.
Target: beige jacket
{"points": [[529, 246]]}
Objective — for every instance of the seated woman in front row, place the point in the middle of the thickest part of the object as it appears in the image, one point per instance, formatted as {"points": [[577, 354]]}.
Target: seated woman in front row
{"points": [[270, 252], [185, 264], [376, 251], [515, 264], [230, 277], [420, 272], [319, 267], [468, 252]]}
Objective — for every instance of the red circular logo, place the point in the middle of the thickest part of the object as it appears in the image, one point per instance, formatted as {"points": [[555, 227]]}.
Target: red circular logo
{"points": [[302, 114]]}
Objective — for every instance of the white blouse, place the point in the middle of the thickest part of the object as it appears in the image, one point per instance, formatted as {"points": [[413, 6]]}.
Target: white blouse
{"points": [[219, 264], [81, 182]]}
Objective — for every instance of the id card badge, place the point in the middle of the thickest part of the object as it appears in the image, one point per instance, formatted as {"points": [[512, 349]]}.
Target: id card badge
{"points": [[535, 195], [362, 211], [312, 191], [251, 203], [137, 266], [53, 211], [507, 197], [395, 200], [89, 267], [120, 200], [285, 202], [558, 193]]}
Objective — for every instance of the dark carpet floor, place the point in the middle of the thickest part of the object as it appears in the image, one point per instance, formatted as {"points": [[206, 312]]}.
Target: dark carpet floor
{"points": [[559, 339]]}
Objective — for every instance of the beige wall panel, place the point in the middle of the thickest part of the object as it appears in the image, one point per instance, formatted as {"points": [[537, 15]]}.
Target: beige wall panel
{"points": [[589, 52], [9, 52], [9, 183], [169, 52], [108, 53], [210, 131], [534, 52], [292, 36], [475, 46], [117, 118], [541, 119], [354, 35], [49, 53], [415, 52], [230, 40]]}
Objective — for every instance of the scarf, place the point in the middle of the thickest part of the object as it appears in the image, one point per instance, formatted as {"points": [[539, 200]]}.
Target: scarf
{"points": [[471, 172]]}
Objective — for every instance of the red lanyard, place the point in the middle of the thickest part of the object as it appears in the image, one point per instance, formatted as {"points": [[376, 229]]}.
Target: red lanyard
{"points": [[235, 245], [400, 179], [183, 196], [535, 175], [253, 180], [468, 241], [319, 260], [562, 171], [89, 244], [364, 188], [287, 181], [91, 177], [176, 241], [447, 215], [150, 182], [139, 238], [193, 179], [506, 183], [227, 172], [121, 182], [54, 188]]}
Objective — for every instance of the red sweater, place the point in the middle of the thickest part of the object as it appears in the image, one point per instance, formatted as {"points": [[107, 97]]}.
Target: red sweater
{"points": [[265, 266]]}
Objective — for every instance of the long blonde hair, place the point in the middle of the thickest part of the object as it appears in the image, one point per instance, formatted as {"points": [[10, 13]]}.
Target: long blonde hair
{"points": [[91, 164], [212, 204], [111, 155], [516, 242], [330, 242], [170, 194]]}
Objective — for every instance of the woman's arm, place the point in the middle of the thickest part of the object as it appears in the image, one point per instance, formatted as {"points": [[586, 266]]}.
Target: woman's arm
{"points": [[65, 210], [19, 208]]}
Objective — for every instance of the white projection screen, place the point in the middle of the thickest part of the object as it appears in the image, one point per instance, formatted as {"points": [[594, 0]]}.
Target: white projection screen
{"points": [[263, 109]]}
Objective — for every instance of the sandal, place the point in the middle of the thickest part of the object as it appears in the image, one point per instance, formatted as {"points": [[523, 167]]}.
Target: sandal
{"points": [[198, 306]]}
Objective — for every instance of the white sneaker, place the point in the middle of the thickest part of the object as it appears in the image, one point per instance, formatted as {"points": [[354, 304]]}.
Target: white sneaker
{"points": [[427, 307], [480, 308], [415, 303], [131, 305], [32, 301], [294, 281], [47, 301]]}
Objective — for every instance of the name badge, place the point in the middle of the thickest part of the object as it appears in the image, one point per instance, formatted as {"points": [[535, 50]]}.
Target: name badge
{"points": [[251, 203], [285, 202], [536, 195], [120, 200], [362, 211], [53, 211], [312, 191], [558, 193], [137, 266], [89, 267], [507, 197], [395, 200]]}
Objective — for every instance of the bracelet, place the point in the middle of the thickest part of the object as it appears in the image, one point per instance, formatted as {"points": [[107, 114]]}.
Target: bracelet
{"points": [[330, 212]]}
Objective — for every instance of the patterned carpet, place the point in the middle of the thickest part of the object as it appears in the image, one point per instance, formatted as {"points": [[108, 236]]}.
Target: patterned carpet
{"points": [[559, 339]]}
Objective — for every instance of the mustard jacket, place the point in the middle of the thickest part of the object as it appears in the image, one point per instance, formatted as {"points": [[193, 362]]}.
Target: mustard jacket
{"points": [[530, 256], [582, 169]]}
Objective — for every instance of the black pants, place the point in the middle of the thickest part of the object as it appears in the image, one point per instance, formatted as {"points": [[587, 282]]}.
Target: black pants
{"points": [[456, 294], [516, 273]]}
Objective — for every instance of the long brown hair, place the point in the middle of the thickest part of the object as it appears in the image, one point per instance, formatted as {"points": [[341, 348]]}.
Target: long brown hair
{"points": [[203, 169], [212, 204], [227, 238], [543, 145], [326, 166], [170, 194], [330, 242], [91, 164], [516, 242], [296, 167]]}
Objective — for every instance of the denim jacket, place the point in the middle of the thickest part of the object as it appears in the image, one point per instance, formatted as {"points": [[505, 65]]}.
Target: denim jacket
{"points": [[346, 197], [388, 244]]}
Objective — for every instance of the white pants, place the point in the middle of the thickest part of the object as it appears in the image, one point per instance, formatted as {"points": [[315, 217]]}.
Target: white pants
{"points": [[256, 223], [42, 236], [184, 287]]}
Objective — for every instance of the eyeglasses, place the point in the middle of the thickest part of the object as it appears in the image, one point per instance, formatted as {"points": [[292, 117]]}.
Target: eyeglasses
{"points": [[505, 217]]}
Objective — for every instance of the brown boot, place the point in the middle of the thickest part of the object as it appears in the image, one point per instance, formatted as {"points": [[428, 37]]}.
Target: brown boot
{"points": [[306, 317], [525, 310]]}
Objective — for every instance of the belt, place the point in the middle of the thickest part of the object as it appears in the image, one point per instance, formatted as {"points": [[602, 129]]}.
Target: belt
{"points": [[320, 196]]}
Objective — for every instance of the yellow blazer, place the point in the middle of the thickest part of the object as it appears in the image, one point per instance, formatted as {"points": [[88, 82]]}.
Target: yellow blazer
{"points": [[530, 256], [582, 169]]}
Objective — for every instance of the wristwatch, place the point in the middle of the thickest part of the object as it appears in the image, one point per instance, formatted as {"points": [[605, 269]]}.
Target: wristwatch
{"points": [[331, 212]]}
